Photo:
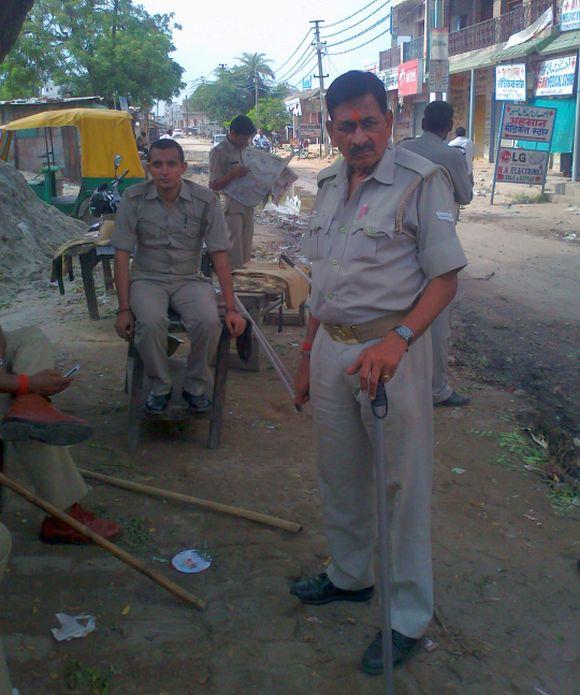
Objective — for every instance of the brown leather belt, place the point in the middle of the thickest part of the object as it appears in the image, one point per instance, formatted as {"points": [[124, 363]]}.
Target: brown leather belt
{"points": [[361, 333]]}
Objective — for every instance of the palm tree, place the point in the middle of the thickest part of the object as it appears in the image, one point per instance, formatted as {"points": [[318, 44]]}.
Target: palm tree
{"points": [[255, 67]]}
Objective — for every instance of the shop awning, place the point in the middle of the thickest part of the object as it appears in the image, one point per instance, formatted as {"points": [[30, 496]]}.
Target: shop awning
{"points": [[472, 62], [522, 50], [566, 41]]}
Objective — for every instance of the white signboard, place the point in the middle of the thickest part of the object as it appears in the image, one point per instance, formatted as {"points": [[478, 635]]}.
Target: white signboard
{"points": [[390, 79], [439, 44], [525, 122], [510, 82], [521, 166], [439, 76], [556, 76], [570, 15]]}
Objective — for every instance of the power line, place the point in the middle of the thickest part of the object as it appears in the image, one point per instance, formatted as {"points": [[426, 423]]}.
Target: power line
{"points": [[295, 52], [292, 69], [300, 67], [354, 14], [356, 24], [306, 72], [350, 50], [356, 36]]}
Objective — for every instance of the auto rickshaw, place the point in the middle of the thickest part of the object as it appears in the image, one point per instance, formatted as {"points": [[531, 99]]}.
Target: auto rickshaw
{"points": [[104, 139]]}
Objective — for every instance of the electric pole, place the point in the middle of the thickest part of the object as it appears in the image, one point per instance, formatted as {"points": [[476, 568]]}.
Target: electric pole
{"points": [[318, 45]]}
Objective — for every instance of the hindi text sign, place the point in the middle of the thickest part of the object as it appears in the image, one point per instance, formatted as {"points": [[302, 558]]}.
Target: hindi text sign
{"points": [[570, 15], [525, 122], [556, 77], [510, 82]]}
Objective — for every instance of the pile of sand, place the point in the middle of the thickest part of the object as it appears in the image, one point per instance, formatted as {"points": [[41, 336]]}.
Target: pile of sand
{"points": [[30, 232]]}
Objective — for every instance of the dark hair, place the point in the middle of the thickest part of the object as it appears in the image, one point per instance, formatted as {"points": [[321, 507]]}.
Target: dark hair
{"points": [[166, 144], [242, 125], [438, 116], [460, 132], [169, 131], [354, 84]]}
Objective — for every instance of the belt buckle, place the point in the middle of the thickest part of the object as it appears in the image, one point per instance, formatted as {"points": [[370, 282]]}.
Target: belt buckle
{"points": [[346, 334]]}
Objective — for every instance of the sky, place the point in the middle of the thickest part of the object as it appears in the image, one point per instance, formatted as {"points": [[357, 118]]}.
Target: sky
{"points": [[214, 34]]}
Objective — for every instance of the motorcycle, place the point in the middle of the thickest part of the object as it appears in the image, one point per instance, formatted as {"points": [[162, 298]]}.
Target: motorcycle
{"points": [[300, 151]]}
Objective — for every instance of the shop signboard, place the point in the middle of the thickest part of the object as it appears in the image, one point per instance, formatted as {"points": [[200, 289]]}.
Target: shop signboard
{"points": [[521, 166], [556, 77], [390, 78], [525, 122], [570, 15], [515, 165], [439, 44], [410, 78], [438, 75], [510, 82]]}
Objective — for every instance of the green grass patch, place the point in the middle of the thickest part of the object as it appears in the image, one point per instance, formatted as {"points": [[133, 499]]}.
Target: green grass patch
{"points": [[525, 199], [80, 678]]}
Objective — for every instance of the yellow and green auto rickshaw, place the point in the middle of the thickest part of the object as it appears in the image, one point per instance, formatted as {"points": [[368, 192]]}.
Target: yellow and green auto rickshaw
{"points": [[82, 145]]}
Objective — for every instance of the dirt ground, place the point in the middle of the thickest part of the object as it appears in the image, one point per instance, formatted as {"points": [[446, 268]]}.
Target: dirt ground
{"points": [[505, 543]]}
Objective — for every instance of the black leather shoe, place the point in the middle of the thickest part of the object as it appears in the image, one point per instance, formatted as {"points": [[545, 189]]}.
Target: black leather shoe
{"points": [[156, 403], [403, 649], [200, 404], [318, 589], [455, 400]]}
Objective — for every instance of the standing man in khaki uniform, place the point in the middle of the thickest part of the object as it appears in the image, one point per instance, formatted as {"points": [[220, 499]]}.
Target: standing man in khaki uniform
{"points": [[385, 258], [40, 433], [437, 124], [167, 219], [226, 163]]}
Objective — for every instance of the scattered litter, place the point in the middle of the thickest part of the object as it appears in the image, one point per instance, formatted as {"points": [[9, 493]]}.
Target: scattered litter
{"points": [[72, 626], [313, 619], [571, 236], [191, 561], [540, 691], [530, 517], [540, 441], [429, 645], [458, 471], [126, 610], [156, 558]]}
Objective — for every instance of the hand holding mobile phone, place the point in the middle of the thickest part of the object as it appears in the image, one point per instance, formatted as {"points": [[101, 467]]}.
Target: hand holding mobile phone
{"points": [[72, 371]]}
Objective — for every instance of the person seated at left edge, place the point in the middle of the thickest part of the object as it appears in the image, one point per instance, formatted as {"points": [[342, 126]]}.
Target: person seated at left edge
{"points": [[166, 220]]}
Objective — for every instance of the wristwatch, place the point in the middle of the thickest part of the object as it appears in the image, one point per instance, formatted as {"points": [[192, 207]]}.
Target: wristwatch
{"points": [[405, 333]]}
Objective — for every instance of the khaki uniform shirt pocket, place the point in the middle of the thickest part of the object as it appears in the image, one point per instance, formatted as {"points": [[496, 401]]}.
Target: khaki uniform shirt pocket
{"points": [[370, 242], [316, 240], [150, 233]]}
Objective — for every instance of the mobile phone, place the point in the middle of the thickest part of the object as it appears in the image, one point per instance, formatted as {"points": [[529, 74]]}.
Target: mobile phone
{"points": [[72, 371]]}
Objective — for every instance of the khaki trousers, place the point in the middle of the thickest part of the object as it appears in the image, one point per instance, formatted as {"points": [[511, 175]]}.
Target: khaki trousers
{"points": [[343, 424], [195, 302], [5, 545], [51, 469], [241, 228], [440, 337]]}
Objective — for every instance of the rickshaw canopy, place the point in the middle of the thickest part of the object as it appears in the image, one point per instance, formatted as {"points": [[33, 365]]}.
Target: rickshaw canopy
{"points": [[103, 133]]}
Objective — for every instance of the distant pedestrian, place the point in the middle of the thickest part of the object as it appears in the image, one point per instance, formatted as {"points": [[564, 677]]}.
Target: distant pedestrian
{"points": [[168, 135], [464, 143]]}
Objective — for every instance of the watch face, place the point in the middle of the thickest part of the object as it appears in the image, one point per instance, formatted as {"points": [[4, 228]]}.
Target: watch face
{"points": [[405, 333]]}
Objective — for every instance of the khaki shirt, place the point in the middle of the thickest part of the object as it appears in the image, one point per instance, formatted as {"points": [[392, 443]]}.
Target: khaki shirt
{"points": [[374, 254], [435, 150], [168, 239], [222, 159]]}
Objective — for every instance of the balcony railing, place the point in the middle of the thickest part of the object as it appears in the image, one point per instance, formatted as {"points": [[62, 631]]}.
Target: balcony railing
{"points": [[496, 30]]}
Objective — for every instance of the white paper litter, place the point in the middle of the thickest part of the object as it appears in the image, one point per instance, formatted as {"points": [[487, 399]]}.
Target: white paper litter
{"points": [[190, 562], [72, 626]]}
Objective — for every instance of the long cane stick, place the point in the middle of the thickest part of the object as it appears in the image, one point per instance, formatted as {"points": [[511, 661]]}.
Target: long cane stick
{"points": [[380, 407], [279, 367], [119, 553], [207, 504]]}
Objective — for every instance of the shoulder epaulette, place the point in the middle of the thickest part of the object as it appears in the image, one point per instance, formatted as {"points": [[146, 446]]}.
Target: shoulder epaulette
{"points": [[409, 160], [328, 173], [137, 189]]}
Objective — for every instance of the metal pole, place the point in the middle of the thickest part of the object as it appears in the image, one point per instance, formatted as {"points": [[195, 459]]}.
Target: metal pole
{"points": [[380, 406], [318, 45], [472, 105], [576, 157]]}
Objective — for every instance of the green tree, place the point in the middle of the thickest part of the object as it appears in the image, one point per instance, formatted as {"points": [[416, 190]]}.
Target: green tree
{"points": [[271, 114], [221, 99], [254, 69], [104, 47]]}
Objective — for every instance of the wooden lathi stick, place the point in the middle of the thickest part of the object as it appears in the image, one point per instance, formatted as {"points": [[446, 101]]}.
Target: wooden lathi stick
{"points": [[124, 556], [207, 504]]}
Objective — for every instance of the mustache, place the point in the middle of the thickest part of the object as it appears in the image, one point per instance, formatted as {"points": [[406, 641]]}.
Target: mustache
{"points": [[363, 149]]}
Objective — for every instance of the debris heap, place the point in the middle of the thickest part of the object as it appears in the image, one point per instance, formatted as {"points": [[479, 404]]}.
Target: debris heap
{"points": [[30, 232]]}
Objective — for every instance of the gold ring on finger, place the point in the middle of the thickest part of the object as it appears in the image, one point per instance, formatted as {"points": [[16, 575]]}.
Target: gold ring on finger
{"points": [[386, 378]]}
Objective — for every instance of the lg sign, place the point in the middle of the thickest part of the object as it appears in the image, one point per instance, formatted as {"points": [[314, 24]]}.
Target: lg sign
{"points": [[513, 156]]}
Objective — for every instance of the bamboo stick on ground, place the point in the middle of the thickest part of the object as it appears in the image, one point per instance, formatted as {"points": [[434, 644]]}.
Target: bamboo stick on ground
{"points": [[207, 504], [119, 553]]}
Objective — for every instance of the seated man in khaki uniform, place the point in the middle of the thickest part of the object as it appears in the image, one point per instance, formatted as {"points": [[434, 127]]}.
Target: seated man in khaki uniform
{"points": [[385, 258], [39, 432], [166, 220], [226, 163]]}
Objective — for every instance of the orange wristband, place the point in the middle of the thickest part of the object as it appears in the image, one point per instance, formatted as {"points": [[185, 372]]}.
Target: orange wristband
{"points": [[22, 385]]}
